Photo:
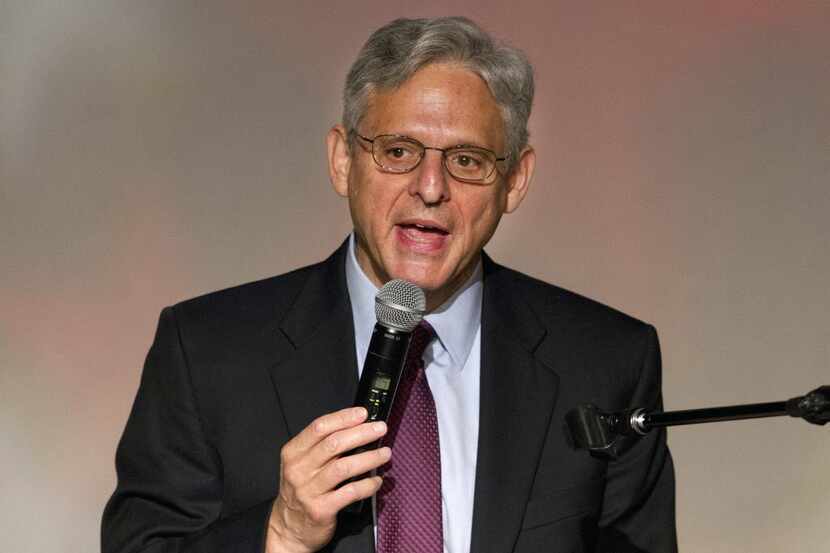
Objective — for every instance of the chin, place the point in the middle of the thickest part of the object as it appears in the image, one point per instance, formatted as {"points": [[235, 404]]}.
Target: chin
{"points": [[426, 279]]}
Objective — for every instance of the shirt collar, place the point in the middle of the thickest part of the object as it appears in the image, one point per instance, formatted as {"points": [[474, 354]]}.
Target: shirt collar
{"points": [[456, 321]]}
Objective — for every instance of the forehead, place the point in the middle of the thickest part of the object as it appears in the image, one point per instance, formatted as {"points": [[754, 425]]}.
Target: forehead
{"points": [[441, 105]]}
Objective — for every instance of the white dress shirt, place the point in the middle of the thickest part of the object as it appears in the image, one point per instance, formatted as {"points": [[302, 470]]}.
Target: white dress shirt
{"points": [[452, 367]]}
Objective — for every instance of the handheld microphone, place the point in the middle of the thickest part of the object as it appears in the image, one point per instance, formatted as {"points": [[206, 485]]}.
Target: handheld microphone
{"points": [[399, 307]]}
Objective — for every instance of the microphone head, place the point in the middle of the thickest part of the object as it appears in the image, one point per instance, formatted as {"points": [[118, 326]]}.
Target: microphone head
{"points": [[400, 305]]}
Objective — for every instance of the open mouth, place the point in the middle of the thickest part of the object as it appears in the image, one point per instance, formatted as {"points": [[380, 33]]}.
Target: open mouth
{"points": [[418, 228], [424, 237]]}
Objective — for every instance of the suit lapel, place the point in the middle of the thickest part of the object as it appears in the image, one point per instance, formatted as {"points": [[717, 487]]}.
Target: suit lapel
{"points": [[318, 374], [517, 397]]}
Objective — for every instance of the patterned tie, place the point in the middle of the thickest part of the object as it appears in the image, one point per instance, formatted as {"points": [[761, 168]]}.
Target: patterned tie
{"points": [[409, 501]]}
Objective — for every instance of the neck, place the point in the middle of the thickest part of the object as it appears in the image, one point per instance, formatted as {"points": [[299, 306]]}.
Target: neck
{"points": [[435, 298]]}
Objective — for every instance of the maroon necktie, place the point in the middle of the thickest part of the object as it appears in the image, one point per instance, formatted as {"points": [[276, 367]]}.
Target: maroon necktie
{"points": [[409, 501]]}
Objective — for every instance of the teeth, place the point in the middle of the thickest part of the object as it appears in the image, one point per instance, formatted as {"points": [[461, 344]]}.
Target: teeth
{"points": [[421, 227]]}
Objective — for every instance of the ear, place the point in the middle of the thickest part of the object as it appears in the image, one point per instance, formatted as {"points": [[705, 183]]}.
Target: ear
{"points": [[518, 181], [340, 159]]}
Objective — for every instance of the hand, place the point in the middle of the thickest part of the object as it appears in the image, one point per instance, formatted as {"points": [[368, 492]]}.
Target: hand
{"points": [[304, 515]]}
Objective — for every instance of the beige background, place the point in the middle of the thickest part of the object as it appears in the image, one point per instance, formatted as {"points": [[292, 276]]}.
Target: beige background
{"points": [[152, 151]]}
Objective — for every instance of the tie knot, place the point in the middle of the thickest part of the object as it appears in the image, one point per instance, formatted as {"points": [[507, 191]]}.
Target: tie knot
{"points": [[421, 337]]}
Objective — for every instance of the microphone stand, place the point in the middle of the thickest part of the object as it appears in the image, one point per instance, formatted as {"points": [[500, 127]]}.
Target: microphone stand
{"points": [[597, 431]]}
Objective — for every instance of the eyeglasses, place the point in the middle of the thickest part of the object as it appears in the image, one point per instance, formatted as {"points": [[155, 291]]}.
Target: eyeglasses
{"points": [[401, 154]]}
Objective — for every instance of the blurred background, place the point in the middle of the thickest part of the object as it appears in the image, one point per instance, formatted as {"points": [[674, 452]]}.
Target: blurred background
{"points": [[153, 151]]}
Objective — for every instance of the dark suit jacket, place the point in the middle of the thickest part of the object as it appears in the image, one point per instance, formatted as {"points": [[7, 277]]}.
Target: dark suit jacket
{"points": [[233, 375]]}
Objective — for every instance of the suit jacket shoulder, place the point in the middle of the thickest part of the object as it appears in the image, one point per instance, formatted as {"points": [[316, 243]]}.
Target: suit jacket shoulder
{"points": [[263, 314], [551, 302], [245, 307], [579, 334]]}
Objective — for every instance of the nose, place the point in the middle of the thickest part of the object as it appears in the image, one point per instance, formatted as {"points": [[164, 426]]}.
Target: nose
{"points": [[430, 179]]}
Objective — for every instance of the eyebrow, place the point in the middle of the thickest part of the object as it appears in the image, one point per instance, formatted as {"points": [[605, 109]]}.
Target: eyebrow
{"points": [[456, 146], [476, 146]]}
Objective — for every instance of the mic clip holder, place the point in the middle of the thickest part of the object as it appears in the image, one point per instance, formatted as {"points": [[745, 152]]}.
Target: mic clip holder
{"points": [[598, 431]]}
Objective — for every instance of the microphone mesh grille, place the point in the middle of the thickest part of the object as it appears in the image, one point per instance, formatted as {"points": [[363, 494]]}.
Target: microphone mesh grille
{"points": [[400, 304]]}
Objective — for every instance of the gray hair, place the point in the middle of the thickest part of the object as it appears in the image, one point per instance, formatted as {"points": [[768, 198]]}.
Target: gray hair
{"points": [[397, 50]]}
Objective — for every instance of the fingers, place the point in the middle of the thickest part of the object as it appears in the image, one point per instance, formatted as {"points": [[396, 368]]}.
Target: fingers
{"points": [[312, 460], [353, 491], [342, 469], [344, 441], [322, 499], [322, 427]]}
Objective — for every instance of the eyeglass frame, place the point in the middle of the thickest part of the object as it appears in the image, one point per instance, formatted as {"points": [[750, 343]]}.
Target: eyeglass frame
{"points": [[483, 181]]}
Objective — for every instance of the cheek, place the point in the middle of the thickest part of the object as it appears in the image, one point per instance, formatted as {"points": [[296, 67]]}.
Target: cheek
{"points": [[361, 199], [481, 214], [371, 203]]}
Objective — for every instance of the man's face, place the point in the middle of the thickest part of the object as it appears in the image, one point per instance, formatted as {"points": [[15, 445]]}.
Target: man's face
{"points": [[424, 226]]}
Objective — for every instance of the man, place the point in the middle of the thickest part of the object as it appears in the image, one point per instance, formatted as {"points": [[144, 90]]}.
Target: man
{"points": [[241, 435]]}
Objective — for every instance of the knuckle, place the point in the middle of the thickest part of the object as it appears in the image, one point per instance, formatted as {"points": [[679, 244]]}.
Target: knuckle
{"points": [[316, 514], [319, 426], [350, 490], [331, 443], [342, 467], [291, 474], [302, 499], [286, 453]]}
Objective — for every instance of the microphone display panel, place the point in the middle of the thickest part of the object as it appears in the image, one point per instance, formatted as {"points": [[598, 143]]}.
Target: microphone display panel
{"points": [[381, 371]]}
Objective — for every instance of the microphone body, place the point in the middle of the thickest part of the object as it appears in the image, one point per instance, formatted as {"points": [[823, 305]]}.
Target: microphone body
{"points": [[399, 308], [382, 370]]}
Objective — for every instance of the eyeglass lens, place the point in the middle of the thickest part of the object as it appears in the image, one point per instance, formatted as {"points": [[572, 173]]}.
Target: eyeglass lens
{"points": [[401, 154]]}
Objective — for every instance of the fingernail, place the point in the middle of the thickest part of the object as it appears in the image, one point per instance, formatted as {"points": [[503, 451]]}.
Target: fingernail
{"points": [[379, 427], [359, 413], [385, 453]]}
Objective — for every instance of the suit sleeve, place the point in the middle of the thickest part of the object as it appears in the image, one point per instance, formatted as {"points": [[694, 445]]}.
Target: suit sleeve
{"points": [[639, 502], [169, 492]]}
